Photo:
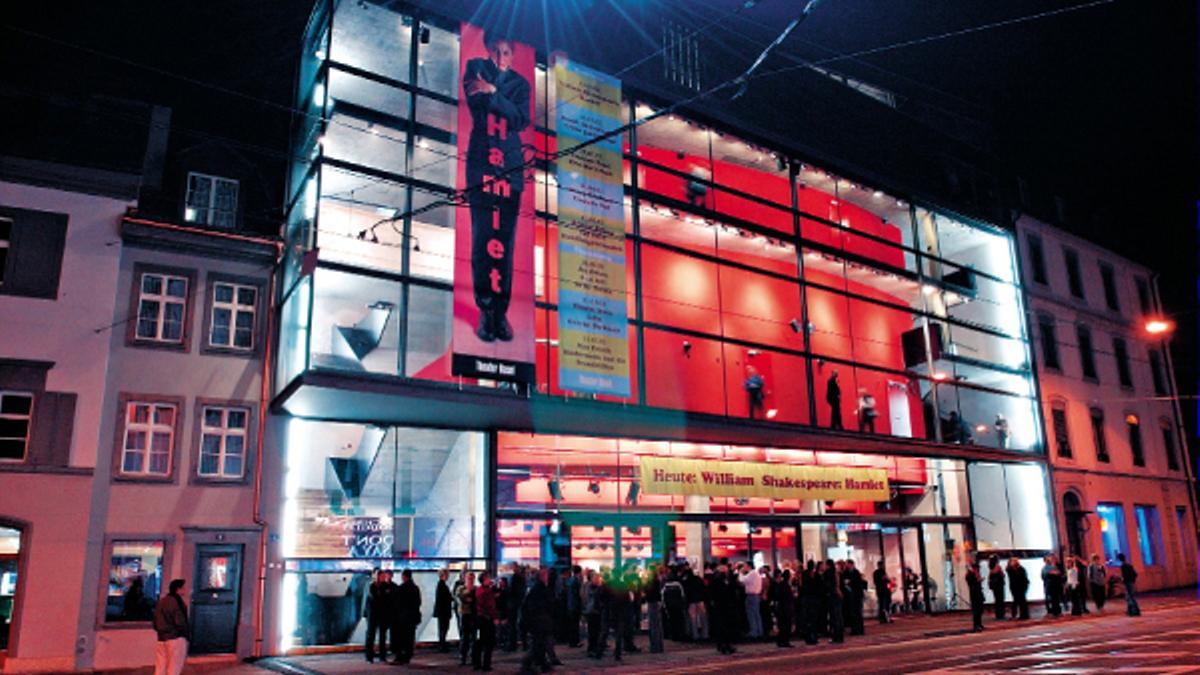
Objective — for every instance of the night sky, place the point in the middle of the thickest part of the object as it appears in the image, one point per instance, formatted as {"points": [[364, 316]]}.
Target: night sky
{"points": [[1096, 104]]}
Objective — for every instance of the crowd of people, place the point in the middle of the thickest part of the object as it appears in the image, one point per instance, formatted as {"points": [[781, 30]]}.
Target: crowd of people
{"points": [[1069, 584], [535, 609]]}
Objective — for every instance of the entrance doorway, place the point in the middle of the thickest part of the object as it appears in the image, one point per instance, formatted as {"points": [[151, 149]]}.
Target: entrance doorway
{"points": [[1073, 510], [215, 598], [10, 553]]}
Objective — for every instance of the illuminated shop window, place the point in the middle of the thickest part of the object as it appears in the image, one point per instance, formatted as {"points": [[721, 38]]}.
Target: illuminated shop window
{"points": [[135, 580], [1112, 531]]}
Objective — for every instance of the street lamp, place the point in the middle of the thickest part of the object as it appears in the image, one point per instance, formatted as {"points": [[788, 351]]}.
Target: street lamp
{"points": [[1159, 327]]}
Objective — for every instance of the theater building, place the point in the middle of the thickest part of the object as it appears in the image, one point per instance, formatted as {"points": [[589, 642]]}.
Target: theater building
{"points": [[1117, 448], [701, 424]]}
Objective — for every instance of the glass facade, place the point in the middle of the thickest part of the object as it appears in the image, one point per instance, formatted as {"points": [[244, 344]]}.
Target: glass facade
{"points": [[753, 259], [739, 260]]}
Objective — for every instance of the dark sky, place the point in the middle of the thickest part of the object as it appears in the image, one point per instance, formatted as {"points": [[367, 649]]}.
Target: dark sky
{"points": [[1095, 104]]}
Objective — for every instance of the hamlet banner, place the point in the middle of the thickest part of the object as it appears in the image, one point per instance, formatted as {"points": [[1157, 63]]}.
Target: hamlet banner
{"points": [[665, 475], [593, 346], [492, 334]]}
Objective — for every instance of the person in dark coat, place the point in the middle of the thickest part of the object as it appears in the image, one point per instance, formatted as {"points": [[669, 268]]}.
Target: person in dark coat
{"points": [[595, 607], [517, 587], [537, 617], [784, 606], [854, 592], [376, 611], [1129, 577], [676, 605], [171, 630], [407, 617], [619, 600], [725, 609], [1018, 585], [574, 590], [812, 593], [883, 592], [996, 584], [1052, 582], [975, 588], [466, 612], [1097, 578], [754, 386], [833, 396], [832, 582], [443, 606], [498, 98]]}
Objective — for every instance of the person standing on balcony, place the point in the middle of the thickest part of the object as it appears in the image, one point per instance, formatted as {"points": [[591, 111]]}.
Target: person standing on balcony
{"points": [[833, 396], [498, 98], [867, 412], [754, 386]]}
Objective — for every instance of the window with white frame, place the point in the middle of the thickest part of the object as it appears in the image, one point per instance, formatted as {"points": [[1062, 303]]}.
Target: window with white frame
{"points": [[211, 200], [162, 307], [149, 438], [16, 412], [232, 320], [223, 432]]}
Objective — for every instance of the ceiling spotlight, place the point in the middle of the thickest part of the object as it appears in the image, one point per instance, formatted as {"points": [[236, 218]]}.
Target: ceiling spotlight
{"points": [[687, 349], [594, 487]]}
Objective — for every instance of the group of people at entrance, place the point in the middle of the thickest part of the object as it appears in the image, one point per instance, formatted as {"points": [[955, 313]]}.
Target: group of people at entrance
{"points": [[535, 609], [1070, 582]]}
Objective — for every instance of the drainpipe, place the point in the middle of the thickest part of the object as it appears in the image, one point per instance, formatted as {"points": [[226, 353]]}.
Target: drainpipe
{"points": [[260, 597]]}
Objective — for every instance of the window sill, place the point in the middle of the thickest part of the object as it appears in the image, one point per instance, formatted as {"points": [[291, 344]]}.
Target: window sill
{"points": [[126, 478], [180, 346], [236, 352], [23, 467], [126, 625], [207, 481]]}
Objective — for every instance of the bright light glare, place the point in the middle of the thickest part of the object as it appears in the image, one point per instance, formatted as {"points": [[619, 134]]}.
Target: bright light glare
{"points": [[1159, 326]]}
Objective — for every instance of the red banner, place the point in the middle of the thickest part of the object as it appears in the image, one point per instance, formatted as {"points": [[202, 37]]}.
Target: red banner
{"points": [[493, 334]]}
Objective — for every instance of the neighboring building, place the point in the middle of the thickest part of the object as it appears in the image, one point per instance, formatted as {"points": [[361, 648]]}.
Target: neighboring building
{"points": [[60, 215], [736, 255], [1117, 447], [135, 335]]}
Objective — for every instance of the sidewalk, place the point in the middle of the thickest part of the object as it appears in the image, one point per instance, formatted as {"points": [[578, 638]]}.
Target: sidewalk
{"points": [[905, 628]]}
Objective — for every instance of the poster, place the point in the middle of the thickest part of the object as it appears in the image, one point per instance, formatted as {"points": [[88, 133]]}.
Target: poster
{"points": [[592, 330], [492, 335]]}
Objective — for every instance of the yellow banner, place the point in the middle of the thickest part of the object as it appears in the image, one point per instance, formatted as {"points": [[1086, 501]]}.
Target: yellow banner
{"points": [[669, 476]]}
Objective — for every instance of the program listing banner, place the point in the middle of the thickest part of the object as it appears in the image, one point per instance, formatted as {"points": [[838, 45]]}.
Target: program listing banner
{"points": [[664, 475], [592, 330]]}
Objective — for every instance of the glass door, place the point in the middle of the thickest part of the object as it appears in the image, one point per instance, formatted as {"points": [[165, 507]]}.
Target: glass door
{"points": [[904, 557]]}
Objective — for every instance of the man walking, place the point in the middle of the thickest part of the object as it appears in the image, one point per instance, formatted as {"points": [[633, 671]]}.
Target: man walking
{"points": [[171, 627], [1129, 579]]}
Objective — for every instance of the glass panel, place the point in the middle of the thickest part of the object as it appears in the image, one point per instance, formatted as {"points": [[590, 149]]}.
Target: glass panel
{"points": [[223, 292], [373, 38], [369, 492], [427, 343], [134, 580], [366, 143], [437, 67], [359, 220], [345, 88], [293, 334], [355, 326]]}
